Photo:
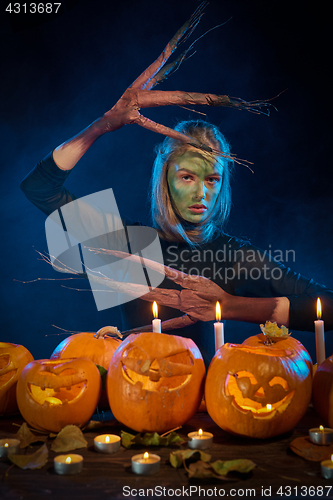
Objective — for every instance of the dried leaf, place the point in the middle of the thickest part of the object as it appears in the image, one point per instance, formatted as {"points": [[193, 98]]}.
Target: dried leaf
{"points": [[26, 437], [69, 438], [150, 439], [103, 373], [241, 465], [177, 458], [34, 461], [200, 470], [303, 447]]}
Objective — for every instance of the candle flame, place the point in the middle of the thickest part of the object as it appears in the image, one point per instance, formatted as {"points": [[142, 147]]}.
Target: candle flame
{"points": [[68, 460], [218, 311], [200, 432], [107, 439], [155, 310], [146, 455], [331, 458], [321, 428], [6, 445], [319, 308], [269, 407]]}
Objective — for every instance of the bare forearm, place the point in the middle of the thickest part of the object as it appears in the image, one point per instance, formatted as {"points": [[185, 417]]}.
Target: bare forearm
{"points": [[69, 153], [257, 310]]}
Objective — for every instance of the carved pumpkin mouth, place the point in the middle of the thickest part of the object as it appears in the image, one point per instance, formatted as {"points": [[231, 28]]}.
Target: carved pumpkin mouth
{"points": [[249, 397], [169, 373], [57, 389]]}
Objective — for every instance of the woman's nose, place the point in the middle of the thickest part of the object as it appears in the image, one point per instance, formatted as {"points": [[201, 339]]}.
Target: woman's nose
{"points": [[200, 192]]}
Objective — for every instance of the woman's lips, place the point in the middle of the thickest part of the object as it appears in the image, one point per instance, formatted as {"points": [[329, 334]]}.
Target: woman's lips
{"points": [[197, 209]]}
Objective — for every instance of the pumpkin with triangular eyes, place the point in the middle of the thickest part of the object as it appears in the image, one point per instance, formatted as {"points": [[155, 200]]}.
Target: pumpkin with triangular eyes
{"points": [[155, 381], [53, 394], [259, 390], [13, 358]]}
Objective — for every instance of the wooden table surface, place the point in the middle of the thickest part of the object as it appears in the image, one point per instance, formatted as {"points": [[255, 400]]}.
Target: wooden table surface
{"points": [[279, 473]]}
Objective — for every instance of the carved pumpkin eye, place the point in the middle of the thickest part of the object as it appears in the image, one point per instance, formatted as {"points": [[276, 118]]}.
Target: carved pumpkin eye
{"points": [[170, 372]]}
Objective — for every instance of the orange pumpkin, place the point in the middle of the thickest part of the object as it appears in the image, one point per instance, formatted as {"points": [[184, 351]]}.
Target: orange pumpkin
{"points": [[53, 394], [13, 358], [99, 350], [155, 381], [259, 390], [322, 391]]}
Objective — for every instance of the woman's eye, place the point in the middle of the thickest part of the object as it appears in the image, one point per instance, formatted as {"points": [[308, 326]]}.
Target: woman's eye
{"points": [[213, 180], [186, 177]]}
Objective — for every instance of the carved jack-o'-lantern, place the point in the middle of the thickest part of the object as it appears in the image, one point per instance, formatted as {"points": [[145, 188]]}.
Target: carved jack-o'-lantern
{"points": [[155, 381], [53, 394], [322, 391], [257, 390], [13, 358], [86, 345]]}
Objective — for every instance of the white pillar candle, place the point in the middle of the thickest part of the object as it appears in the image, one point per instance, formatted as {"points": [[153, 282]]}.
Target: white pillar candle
{"points": [[320, 335], [156, 322], [218, 328]]}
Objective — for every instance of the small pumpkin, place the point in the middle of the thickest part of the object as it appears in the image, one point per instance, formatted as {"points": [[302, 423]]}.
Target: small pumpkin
{"points": [[13, 358], [322, 391], [99, 349], [53, 394], [155, 381], [259, 390]]}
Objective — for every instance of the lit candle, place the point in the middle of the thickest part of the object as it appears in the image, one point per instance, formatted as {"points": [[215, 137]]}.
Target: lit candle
{"points": [[218, 328], [145, 463], [156, 321], [200, 440], [327, 468], [107, 443], [320, 335], [321, 435], [8, 447], [68, 464]]}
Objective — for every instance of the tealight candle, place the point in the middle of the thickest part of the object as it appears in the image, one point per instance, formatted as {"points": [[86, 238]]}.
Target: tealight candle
{"points": [[8, 447], [107, 443], [321, 435], [218, 328], [327, 468], [200, 440], [145, 463], [68, 464], [320, 335]]}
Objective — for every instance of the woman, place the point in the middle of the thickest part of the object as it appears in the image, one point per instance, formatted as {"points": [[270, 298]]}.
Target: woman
{"points": [[190, 205]]}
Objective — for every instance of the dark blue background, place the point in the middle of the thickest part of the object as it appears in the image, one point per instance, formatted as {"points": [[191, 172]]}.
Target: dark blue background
{"points": [[60, 75]]}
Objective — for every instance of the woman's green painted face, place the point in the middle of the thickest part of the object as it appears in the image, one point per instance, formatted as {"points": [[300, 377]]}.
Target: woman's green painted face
{"points": [[194, 183]]}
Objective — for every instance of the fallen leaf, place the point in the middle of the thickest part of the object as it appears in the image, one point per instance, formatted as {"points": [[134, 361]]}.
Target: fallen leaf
{"points": [[240, 465], [69, 438], [178, 458], [33, 461], [303, 447], [26, 437], [150, 439], [200, 470]]}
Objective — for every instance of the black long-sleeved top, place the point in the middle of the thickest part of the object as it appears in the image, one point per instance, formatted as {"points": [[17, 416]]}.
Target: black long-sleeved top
{"points": [[235, 265]]}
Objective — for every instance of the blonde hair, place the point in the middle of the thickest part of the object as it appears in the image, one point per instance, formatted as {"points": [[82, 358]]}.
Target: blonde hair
{"points": [[165, 217]]}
